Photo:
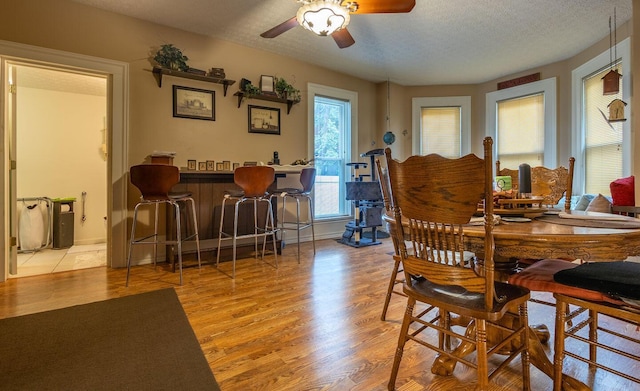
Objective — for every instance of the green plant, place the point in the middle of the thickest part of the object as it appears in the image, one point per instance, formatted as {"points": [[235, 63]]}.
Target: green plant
{"points": [[169, 56], [286, 90], [251, 90]]}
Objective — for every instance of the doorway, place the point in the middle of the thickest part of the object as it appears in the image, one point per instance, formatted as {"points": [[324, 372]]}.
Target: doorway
{"points": [[117, 76], [61, 171]]}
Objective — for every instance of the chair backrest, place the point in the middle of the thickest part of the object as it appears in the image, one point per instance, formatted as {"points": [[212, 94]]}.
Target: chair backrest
{"points": [[254, 180], [550, 184], [383, 178], [307, 179], [432, 198], [154, 180]]}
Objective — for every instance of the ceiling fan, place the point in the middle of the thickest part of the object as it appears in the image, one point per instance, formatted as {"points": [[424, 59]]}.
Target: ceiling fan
{"points": [[331, 17]]}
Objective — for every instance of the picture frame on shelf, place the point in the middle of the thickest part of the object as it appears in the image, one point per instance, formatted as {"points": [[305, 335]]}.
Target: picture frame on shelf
{"points": [[264, 120], [226, 165], [202, 166], [235, 165], [191, 165], [267, 85], [211, 165], [194, 103], [219, 166]]}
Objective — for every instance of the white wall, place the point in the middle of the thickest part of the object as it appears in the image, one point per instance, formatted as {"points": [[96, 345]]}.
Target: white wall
{"points": [[59, 154]]}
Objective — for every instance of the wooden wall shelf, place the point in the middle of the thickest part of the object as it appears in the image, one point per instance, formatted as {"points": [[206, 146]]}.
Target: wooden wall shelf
{"points": [[270, 98], [159, 72]]}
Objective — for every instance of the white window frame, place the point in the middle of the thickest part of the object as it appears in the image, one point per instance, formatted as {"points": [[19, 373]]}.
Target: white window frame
{"points": [[335, 93], [577, 100], [464, 102], [547, 87]]}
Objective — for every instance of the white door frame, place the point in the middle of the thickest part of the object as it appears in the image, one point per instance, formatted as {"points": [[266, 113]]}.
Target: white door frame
{"points": [[117, 122]]}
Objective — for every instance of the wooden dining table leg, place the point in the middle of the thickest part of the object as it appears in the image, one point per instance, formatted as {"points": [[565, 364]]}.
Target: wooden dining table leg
{"points": [[444, 365]]}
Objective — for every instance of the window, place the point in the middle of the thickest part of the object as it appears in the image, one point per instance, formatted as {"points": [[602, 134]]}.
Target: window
{"points": [[522, 122], [332, 147], [602, 139], [602, 149], [521, 119], [442, 126]]}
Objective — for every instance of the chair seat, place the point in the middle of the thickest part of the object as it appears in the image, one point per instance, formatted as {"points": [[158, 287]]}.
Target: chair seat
{"points": [[462, 302], [177, 195], [539, 277], [288, 191]]}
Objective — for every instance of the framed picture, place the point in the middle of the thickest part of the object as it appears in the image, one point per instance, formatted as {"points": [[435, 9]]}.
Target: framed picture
{"points": [[219, 166], [264, 120], [227, 165], [210, 165], [194, 103], [235, 165], [250, 164], [202, 166], [191, 165], [267, 85]]}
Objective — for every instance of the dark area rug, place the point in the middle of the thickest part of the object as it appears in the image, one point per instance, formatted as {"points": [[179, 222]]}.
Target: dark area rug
{"points": [[139, 342]]}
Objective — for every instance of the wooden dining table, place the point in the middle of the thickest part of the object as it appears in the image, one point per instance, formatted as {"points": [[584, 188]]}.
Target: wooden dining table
{"points": [[550, 236]]}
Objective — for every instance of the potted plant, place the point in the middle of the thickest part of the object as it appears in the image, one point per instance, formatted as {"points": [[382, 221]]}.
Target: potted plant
{"points": [[170, 57], [250, 90], [286, 90]]}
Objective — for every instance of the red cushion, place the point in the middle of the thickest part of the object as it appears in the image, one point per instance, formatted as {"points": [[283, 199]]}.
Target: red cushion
{"points": [[539, 277], [622, 191]]}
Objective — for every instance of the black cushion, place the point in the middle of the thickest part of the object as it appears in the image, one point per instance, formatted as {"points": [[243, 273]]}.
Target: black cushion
{"points": [[618, 279]]}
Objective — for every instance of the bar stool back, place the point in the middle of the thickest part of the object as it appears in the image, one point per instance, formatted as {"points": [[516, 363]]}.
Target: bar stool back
{"points": [[254, 182], [307, 180], [155, 182]]}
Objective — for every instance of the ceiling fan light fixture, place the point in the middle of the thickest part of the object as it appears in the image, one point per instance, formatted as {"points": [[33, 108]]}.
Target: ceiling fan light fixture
{"points": [[324, 17]]}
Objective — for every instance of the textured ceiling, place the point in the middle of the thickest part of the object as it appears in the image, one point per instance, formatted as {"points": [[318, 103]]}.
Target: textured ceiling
{"points": [[439, 42]]}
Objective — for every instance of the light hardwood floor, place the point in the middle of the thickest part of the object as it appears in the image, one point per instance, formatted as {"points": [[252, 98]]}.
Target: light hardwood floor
{"points": [[309, 326]]}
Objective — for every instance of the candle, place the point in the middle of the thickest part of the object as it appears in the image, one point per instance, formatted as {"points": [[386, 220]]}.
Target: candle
{"points": [[524, 178]]}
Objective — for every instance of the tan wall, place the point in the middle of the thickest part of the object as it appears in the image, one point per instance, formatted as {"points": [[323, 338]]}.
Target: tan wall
{"points": [[64, 25], [68, 26], [560, 70]]}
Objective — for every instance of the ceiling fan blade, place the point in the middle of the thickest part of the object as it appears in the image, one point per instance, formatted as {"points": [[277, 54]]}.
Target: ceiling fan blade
{"points": [[384, 6], [343, 38], [281, 28]]}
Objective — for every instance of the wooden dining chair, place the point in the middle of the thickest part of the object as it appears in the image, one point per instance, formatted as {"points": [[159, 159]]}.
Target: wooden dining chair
{"points": [[397, 274], [583, 293], [432, 198], [549, 183]]}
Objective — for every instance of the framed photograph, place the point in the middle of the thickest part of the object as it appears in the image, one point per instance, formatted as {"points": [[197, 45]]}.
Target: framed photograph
{"points": [[202, 166], [211, 165], [267, 85], [194, 103], [235, 165], [264, 120], [250, 164], [191, 164], [219, 166], [227, 165]]}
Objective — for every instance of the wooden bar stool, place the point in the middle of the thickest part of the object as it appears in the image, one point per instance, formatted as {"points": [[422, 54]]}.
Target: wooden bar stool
{"points": [[307, 180], [254, 182], [155, 182]]}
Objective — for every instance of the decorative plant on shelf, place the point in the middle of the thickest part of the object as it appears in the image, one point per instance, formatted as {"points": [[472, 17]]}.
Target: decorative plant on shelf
{"points": [[250, 90], [170, 57], [286, 90]]}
